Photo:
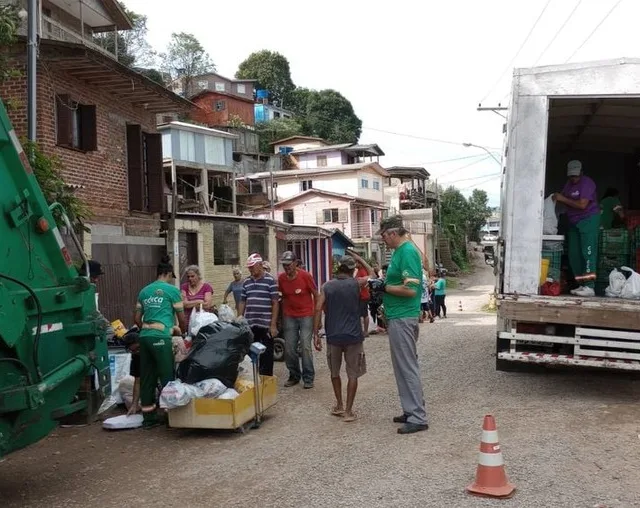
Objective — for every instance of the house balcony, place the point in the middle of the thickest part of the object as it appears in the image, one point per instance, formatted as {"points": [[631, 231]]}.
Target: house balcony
{"points": [[54, 30], [364, 230]]}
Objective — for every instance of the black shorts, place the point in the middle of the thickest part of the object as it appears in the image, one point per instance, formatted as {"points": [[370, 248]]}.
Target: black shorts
{"points": [[364, 308], [425, 306]]}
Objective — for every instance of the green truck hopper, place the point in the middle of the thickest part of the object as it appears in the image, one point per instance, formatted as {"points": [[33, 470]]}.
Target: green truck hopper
{"points": [[53, 350]]}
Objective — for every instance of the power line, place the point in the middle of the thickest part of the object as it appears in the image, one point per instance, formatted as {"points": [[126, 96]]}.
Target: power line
{"points": [[594, 30], [434, 140], [495, 177], [449, 173], [510, 64], [492, 175], [553, 39]]}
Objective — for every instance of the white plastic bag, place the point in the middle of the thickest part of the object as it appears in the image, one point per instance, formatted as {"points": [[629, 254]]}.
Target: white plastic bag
{"points": [[550, 221], [617, 280], [200, 318], [123, 422], [125, 389], [229, 393], [211, 388], [631, 289], [177, 394], [226, 314], [245, 369]]}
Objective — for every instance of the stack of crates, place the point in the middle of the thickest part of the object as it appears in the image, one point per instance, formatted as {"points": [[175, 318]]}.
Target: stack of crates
{"points": [[613, 252], [553, 251]]}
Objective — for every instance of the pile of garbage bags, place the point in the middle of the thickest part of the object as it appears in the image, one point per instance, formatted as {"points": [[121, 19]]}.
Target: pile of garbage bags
{"points": [[623, 283], [217, 365]]}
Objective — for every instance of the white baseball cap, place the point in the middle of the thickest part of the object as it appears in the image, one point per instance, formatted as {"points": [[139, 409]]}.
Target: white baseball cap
{"points": [[253, 260], [574, 168]]}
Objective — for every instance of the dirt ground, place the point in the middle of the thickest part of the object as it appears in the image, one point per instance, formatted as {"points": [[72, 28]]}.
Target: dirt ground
{"points": [[569, 439]]}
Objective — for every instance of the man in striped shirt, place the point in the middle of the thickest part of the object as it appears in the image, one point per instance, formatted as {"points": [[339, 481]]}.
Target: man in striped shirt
{"points": [[259, 306]]}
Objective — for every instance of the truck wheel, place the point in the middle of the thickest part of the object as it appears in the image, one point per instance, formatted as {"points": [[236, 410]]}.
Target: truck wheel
{"points": [[278, 349]]}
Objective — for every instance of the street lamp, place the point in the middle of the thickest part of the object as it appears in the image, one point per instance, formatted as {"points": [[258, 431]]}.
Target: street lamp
{"points": [[485, 149]]}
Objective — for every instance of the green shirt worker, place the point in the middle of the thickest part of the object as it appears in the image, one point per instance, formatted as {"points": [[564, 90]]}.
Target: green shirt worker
{"points": [[158, 305], [402, 292], [611, 210]]}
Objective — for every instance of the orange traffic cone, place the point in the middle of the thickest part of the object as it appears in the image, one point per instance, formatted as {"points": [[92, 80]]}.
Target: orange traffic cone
{"points": [[460, 305], [491, 479]]}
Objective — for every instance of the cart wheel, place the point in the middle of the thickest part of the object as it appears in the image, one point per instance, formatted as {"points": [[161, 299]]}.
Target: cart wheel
{"points": [[278, 349], [242, 429]]}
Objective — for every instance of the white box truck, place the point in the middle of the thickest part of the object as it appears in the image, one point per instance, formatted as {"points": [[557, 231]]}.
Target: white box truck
{"points": [[589, 112]]}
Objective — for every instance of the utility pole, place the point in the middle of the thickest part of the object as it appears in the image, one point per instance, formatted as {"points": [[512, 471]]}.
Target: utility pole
{"points": [[32, 67]]}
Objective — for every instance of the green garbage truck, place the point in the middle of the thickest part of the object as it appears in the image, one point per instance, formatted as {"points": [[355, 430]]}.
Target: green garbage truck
{"points": [[53, 349]]}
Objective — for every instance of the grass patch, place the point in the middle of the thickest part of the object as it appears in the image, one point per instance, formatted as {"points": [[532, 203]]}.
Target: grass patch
{"points": [[487, 308], [453, 283]]}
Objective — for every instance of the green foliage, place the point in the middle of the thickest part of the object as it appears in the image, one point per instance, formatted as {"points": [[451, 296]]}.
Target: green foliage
{"points": [[323, 113], [153, 75], [479, 212], [48, 172], [462, 220], [276, 129], [133, 47], [9, 24], [235, 121], [272, 71], [186, 58], [330, 116]]}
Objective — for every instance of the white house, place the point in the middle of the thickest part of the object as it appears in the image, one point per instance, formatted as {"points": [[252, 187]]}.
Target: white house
{"points": [[358, 218]]}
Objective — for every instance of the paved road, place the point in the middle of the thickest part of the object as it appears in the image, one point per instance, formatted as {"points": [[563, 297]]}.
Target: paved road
{"points": [[569, 440]]}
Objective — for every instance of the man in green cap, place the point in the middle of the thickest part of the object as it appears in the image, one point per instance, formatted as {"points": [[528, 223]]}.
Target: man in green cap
{"points": [[402, 291]]}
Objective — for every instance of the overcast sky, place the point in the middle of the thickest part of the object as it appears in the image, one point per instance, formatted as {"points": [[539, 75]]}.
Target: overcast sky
{"points": [[418, 69]]}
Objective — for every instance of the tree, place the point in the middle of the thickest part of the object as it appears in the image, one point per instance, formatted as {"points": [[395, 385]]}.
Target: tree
{"points": [[272, 71], [274, 130], [330, 116], [9, 23], [186, 58], [454, 217], [478, 213]]}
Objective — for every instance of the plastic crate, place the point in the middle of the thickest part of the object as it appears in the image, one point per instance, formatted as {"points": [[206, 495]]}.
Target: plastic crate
{"points": [[614, 242], [555, 263]]}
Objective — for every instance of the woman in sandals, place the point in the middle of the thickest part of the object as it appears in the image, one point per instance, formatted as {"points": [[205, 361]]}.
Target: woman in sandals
{"points": [[195, 292]]}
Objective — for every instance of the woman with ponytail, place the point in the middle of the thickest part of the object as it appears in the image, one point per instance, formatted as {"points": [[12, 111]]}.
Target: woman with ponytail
{"points": [[157, 307]]}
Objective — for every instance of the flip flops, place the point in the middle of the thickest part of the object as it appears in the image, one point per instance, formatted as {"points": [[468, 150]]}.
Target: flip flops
{"points": [[351, 418], [337, 411]]}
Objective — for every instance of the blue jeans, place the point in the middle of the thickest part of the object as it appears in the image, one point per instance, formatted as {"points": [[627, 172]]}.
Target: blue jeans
{"points": [[299, 330]]}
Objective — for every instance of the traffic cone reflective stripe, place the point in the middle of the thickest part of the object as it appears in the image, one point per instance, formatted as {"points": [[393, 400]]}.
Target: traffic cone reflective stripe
{"points": [[491, 479], [459, 305]]}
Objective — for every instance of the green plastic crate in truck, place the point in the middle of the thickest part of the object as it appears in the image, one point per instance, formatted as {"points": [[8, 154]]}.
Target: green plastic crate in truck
{"points": [[52, 341]]}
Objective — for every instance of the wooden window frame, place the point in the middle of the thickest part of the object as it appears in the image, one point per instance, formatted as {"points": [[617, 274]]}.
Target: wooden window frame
{"points": [[75, 120]]}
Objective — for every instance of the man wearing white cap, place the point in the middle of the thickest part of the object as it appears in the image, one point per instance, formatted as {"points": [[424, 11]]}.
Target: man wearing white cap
{"points": [[259, 306], [580, 198]]}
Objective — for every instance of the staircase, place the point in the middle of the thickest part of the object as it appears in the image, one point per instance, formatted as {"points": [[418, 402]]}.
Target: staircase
{"points": [[444, 248]]}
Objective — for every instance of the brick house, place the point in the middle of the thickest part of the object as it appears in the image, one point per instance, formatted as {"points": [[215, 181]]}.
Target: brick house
{"points": [[98, 117], [215, 109]]}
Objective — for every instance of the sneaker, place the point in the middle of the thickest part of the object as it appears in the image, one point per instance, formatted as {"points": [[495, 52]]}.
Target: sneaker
{"points": [[575, 291], [308, 386], [412, 428], [585, 291], [292, 381], [400, 419]]}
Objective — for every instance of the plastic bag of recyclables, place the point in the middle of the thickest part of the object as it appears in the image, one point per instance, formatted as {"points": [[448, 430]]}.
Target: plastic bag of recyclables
{"points": [[631, 289], [617, 280], [200, 318], [177, 393], [226, 314]]}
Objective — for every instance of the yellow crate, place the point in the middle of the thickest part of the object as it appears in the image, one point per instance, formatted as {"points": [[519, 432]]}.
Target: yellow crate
{"points": [[222, 413]]}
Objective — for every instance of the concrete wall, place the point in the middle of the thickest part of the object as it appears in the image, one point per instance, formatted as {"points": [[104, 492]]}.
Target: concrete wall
{"points": [[219, 276]]}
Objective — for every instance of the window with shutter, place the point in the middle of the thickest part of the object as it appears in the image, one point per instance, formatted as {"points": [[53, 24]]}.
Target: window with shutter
{"points": [[76, 124], [320, 217], [135, 168], [343, 215], [64, 113], [155, 172]]}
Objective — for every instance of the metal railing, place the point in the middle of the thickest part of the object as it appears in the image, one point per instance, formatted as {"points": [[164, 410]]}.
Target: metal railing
{"points": [[52, 29], [363, 230]]}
